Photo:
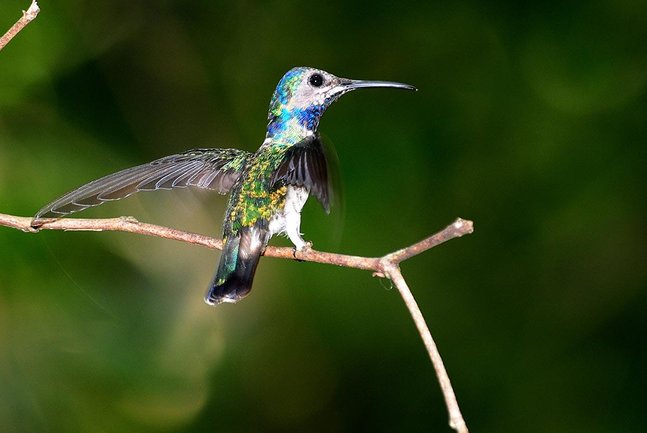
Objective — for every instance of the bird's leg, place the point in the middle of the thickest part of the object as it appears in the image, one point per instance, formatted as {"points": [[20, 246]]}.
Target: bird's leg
{"points": [[293, 230]]}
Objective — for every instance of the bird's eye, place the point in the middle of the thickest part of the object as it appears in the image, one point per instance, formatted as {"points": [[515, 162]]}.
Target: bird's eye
{"points": [[316, 80]]}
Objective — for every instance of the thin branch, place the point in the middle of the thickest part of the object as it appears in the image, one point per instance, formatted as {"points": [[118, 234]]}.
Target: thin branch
{"points": [[456, 420], [457, 229], [27, 16], [387, 266]]}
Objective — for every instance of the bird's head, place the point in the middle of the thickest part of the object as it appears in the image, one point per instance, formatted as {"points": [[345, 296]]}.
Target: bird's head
{"points": [[303, 94]]}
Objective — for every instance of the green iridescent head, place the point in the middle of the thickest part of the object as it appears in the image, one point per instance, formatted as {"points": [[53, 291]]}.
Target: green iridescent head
{"points": [[303, 94]]}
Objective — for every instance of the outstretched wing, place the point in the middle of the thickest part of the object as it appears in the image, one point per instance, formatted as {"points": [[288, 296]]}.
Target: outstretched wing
{"points": [[215, 169], [305, 165]]}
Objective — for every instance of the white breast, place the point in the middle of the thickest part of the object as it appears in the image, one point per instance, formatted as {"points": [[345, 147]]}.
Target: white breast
{"points": [[289, 220]]}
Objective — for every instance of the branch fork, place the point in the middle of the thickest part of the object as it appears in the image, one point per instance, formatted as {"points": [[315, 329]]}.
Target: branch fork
{"points": [[387, 266]]}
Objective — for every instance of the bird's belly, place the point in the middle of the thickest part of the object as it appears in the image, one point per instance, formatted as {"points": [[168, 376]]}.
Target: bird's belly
{"points": [[295, 199]]}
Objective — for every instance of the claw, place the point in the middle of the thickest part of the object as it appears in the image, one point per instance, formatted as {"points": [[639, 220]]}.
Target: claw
{"points": [[304, 248]]}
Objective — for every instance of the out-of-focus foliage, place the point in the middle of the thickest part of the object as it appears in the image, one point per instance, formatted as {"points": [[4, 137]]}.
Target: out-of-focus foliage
{"points": [[530, 120]]}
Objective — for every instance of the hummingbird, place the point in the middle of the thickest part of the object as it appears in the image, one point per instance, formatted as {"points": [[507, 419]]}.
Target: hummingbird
{"points": [[268, 188]]}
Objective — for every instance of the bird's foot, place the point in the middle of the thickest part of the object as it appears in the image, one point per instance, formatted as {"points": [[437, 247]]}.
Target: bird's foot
{"points": [[303, 248]]}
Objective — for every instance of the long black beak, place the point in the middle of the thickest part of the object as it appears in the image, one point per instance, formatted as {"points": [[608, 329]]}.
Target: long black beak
{"points": [[362, 84]]}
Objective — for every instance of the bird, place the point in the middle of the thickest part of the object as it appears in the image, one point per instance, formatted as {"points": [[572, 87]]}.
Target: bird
{"points": [[268, 187]]}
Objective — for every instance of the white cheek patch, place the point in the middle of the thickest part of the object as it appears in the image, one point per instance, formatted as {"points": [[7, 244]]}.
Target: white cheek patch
{"points": [[306, 95], [338, 90], [320, 98]]}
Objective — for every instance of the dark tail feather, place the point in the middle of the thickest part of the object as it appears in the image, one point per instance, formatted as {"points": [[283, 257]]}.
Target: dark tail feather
{"points": [[238, 262]]}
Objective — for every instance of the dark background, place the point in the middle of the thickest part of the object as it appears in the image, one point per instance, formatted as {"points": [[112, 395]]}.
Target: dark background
{"points": [[530, 120]]}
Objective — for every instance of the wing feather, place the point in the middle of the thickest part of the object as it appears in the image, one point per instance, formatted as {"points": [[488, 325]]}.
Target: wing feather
{"points": [[214, 169], [305, 165]]}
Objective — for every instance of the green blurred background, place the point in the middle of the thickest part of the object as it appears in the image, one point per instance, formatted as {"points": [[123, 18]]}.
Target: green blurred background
{"points": [[530, 120]]}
